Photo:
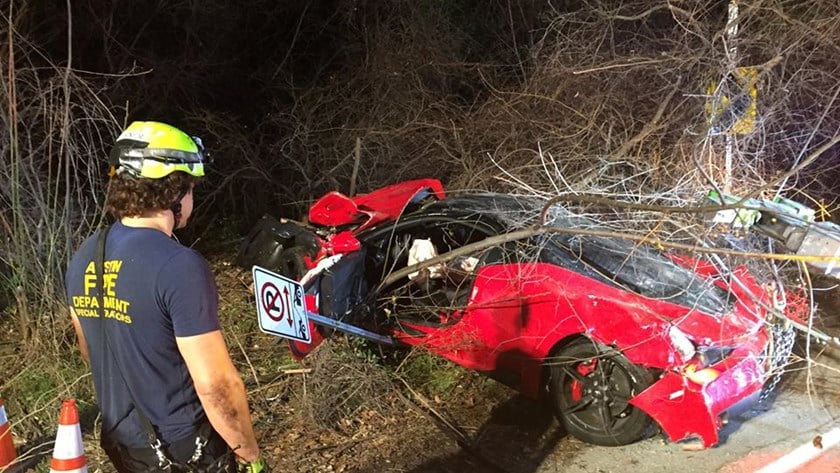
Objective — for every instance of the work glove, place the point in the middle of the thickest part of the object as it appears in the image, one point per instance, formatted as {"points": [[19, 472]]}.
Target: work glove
{"points": [[256, 466]]}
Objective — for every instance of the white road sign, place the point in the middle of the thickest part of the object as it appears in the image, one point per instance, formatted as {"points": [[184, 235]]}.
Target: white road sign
{"points": [[280, 305]]}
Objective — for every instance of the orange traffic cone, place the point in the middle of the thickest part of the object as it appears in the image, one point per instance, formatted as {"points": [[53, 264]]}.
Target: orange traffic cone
{"points": [[7, 447], [69, 455]]}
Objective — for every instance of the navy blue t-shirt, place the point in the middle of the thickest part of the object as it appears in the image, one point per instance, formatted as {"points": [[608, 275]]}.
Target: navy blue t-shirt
{"points": [[155, 290]]}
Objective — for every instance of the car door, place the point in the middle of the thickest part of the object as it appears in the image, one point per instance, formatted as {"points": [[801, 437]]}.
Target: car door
{"points": [[463, 308]]}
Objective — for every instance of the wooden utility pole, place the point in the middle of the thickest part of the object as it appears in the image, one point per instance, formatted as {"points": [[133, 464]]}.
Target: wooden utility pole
{"points": [[732, 56]]}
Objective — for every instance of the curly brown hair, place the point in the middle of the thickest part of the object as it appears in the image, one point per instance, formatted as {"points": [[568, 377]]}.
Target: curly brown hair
{"points": [[132, 197]]}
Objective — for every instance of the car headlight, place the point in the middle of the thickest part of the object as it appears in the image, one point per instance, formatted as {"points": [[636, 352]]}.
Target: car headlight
{"points": [[682, 344]]}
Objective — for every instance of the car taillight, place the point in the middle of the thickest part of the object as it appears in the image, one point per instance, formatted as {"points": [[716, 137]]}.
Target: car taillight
{"points": [[702, 376], [700, 370]]}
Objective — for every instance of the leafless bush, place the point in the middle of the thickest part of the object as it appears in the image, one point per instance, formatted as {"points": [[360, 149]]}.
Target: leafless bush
{"points": [[343, 384], [616, 107], [618, 95], [395, 104], [54, 128]]}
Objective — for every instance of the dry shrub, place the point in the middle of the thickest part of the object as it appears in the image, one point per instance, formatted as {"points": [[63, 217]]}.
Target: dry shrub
{"points": [[393, 99], [619, 92], [283, 92], [54, 133], [239, 184], [389, 102], [56, 126], [615, 107], [343, 387], [597, 98], [298, 98]]}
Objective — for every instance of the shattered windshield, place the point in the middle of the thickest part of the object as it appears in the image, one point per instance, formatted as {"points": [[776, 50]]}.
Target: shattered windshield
{"points": [[638, 268]]}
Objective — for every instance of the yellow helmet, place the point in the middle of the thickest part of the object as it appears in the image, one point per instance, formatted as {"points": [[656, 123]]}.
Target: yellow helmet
{"points": [[153, 150]]}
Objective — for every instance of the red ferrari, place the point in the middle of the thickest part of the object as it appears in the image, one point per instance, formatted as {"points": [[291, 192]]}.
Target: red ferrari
{"points": [[621, 336]]}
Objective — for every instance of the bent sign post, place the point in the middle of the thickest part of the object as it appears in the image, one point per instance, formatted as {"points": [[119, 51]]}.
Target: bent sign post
{"points": [[280, 305]]}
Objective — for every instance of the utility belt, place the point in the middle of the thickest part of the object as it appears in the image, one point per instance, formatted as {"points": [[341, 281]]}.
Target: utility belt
{"points": [[203, 452]]}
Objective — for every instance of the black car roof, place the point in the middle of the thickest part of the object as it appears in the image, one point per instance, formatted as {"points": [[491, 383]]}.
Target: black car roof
{"points": [[636, 267], [513, 211]]}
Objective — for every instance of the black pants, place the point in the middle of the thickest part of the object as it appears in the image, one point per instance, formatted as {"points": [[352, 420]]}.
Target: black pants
{"points": [[216, 458]]}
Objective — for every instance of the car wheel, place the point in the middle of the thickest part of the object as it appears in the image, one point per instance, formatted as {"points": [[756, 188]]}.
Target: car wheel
{"points": [[590, 386]]}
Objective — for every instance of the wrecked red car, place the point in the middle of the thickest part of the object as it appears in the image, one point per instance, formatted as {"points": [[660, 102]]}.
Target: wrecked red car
{"points": [[620, 336]]}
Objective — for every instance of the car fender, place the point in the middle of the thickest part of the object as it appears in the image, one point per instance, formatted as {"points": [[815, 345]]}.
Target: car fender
{"points": [[685, 408], [565, 303]]}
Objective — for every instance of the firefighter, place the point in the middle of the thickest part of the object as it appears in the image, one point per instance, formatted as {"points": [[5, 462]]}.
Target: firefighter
{"points": [[145, 312]]}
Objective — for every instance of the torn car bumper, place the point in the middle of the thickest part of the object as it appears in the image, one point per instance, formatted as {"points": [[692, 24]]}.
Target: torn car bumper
{"points": [[684, 407]]}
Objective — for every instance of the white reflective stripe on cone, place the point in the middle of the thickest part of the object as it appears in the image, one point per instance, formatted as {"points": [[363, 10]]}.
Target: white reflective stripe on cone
{"points": [[68, 442], [3, 418]]}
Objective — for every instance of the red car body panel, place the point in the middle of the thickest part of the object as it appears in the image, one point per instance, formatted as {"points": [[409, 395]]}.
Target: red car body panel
{"points": [[516, 314], [335, 209], [527, 309]]}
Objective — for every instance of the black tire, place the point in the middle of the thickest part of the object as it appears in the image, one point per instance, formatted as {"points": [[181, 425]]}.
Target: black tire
{"points": [[589, 411]]}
